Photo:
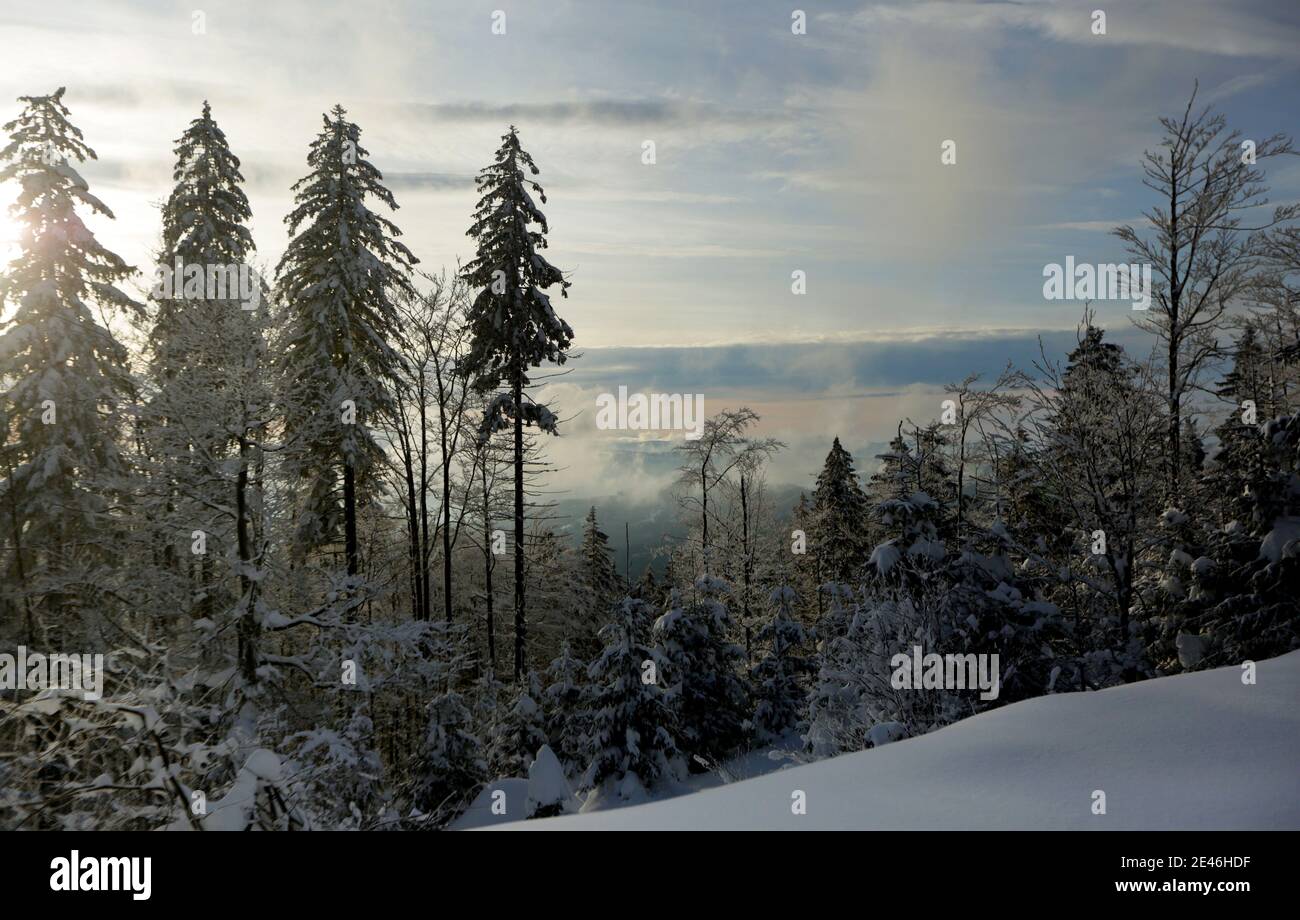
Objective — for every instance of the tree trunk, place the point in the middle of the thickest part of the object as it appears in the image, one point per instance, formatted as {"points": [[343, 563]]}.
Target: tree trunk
{"points": [[446, 508], [424, 504], [961, 478], [18, 559], [746, 567], [248, 629], [419, 605], [521, 628], [350, 518], [704, 516], [1175, 335], [487, 568], [1175, 426]]}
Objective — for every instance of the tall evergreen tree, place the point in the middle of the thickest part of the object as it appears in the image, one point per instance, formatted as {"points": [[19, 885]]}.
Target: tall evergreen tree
{"points": [[779, 675], [564, 704], [630, 742], [451, 762], [338, 277], [208, 375], [702, 669], [840, 513], [598, 584], [1240, 473], [512, 325], [66, 374], [519, 732], [647, 588], [204, 223]]}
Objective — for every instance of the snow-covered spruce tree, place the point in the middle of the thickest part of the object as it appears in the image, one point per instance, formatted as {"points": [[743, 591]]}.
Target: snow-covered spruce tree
{"points": [[564, 705], [915, 521], [648, 588], [1239, 477], [840, 515], [805, 568], [337, 280], [513, 327], [519, 731], [210, 397], [452, 767], [65, 374], [487, 702], [1240, 598], [1022, 503], [204, 224], [835, 719], [779, 676], [630, 745], [600, 578], [597, 583], [702, 669]]}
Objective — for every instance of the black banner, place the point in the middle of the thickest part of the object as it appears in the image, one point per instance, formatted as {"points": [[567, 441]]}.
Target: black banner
{"points": [[148, 871]]}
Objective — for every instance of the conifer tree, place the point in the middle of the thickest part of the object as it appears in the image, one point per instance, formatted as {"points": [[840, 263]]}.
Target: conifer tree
{"points": [[208, 408], [204, 223], [1241, 602], [1239, 477], [452, 766], [840, 512], [519, 732], [66, 374], [338, 278], [779, 675], [564, 701], [631, 742], [702, 668], [597, 582], [648, 588], [513, 326], [836, 700]]}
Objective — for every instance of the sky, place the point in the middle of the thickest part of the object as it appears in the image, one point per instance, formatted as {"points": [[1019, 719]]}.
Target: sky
{"points": [[775, 153]]}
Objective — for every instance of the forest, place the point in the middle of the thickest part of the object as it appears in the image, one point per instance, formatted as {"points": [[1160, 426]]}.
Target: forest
{"points": [[309, 530]]}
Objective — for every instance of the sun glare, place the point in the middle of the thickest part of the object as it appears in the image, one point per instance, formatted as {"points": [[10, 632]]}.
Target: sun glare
{"points": [[10, 230]]}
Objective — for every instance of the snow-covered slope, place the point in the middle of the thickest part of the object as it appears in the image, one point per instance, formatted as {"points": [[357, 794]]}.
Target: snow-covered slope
{"points": [[1193, 751]]}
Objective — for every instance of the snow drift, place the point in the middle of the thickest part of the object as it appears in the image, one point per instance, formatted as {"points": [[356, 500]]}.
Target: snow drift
{"points": [[1194, 751]]}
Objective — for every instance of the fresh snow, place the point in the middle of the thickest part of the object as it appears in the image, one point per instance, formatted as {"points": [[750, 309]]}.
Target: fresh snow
{"points": [[480, 813], [1282, 541], [1193, 751], [546, 782]]}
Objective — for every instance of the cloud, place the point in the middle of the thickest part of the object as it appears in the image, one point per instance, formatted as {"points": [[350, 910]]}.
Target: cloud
{"points": [[1243, 29], [428, 180], [805, 393], [621, 112]]}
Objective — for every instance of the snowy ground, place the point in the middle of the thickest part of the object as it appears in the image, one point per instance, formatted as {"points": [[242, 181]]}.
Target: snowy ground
{"points": [[1188, 752]]}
